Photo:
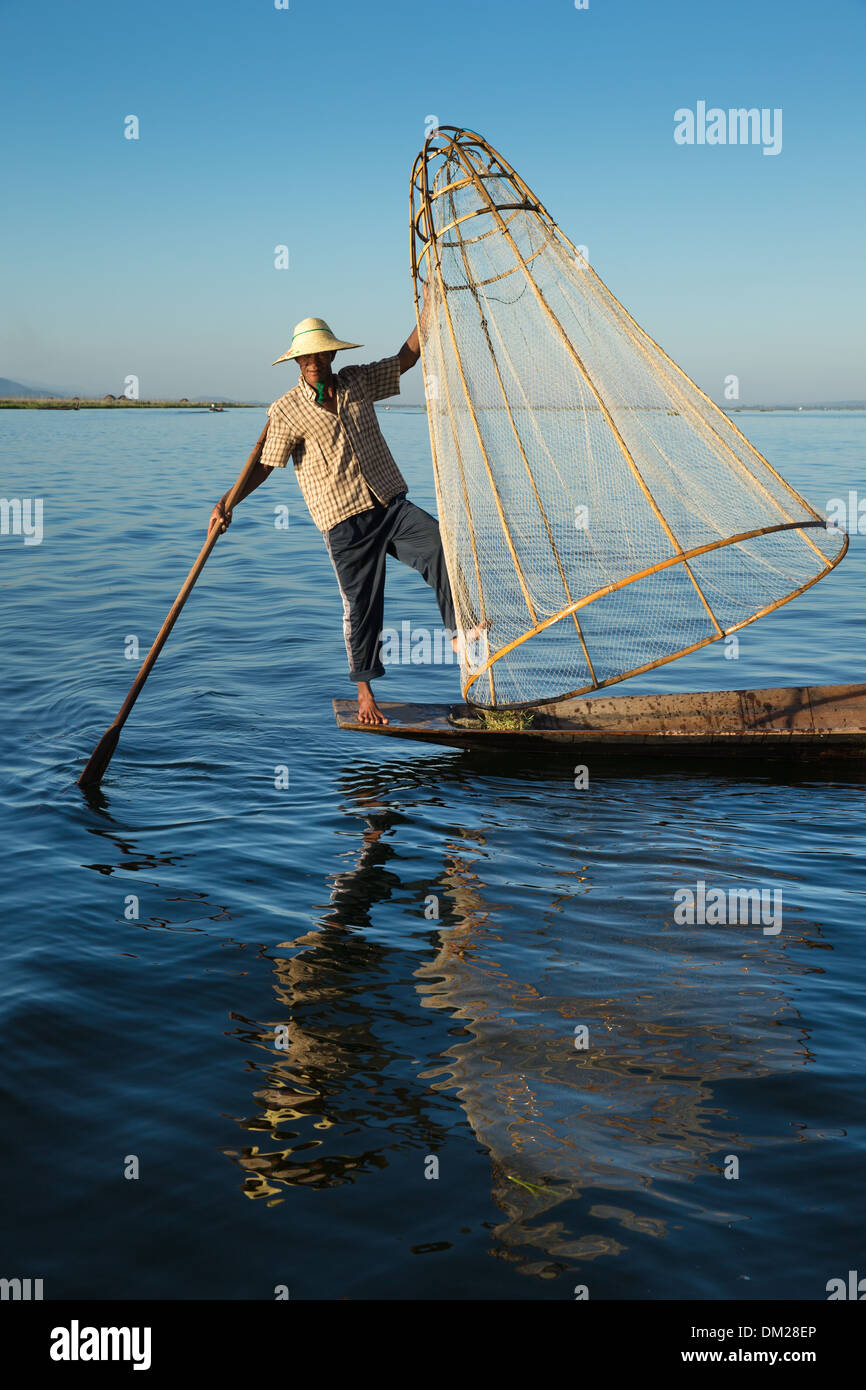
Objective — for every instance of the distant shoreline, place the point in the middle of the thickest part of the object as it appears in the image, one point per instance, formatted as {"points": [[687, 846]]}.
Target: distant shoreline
{"points": [[62, 403]]}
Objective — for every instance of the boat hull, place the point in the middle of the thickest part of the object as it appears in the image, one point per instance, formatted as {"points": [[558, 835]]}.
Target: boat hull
{"points": [[826, 721]]}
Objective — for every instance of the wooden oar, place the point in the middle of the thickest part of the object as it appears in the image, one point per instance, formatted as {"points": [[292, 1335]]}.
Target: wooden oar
{"points": [[102, 753]]}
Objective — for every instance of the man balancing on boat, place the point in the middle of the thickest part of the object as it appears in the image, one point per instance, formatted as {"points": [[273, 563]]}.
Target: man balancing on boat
{"points": [[354, 490]]}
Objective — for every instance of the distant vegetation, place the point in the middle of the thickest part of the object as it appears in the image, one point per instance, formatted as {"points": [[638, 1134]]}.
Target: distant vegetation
{"points": [[115, 403]]}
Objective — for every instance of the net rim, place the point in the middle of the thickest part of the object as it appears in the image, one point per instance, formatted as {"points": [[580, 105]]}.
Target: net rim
{"points": [[618, 584]]}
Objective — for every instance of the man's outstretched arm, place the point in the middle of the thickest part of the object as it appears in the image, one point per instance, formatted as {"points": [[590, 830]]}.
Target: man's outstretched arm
{"points": [[219, 513], [411, 349]]}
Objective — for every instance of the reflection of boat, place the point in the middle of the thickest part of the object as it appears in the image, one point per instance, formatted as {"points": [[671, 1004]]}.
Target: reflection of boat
{"points": [[811, 721], [633, 1109]]}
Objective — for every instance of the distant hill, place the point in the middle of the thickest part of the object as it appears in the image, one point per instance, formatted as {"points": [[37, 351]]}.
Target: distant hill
{"points": [[14, 390], [11, 390]]}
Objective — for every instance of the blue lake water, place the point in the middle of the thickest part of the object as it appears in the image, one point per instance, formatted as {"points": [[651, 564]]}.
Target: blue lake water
{"points": [[243, 987]]}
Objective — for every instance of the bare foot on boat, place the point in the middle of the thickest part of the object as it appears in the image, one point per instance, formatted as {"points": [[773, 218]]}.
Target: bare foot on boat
{"points": [[368, 711]]}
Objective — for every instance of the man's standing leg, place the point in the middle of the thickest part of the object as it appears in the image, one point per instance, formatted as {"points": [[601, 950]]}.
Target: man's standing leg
{"points": [[357, 548]]}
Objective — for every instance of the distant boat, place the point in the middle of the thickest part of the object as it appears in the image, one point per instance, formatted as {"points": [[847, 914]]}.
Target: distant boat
{"points": [[215, 408]]}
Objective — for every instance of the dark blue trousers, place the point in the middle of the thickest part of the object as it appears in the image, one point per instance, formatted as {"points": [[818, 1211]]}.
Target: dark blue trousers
{"points": [[358, 549]]}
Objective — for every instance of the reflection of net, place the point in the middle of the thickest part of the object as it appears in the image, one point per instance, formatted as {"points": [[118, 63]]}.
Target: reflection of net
{"points": [[590, 495]]}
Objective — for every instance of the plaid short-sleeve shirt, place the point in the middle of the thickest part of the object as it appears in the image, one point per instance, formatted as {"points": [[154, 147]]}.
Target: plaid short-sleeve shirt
{"points": [[342, 461]]}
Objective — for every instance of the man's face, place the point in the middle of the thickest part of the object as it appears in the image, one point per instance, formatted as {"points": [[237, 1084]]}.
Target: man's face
{"points": [[316, 366]]}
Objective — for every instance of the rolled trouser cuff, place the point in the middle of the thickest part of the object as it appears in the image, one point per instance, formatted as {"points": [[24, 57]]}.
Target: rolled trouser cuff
{"points": [[373, 674]]}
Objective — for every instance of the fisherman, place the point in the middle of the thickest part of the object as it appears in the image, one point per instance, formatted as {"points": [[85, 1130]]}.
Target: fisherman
{"points": [[353, 489]]}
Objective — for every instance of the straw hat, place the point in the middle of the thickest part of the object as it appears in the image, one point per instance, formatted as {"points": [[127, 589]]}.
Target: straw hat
{"points": [[313, 335]]}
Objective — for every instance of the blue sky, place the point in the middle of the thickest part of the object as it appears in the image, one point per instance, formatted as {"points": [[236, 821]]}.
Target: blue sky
{"points": [[261, 127]]}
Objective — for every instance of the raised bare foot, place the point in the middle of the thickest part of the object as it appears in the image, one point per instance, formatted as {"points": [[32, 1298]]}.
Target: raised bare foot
{"points": [[464, 643], [368, 711]]}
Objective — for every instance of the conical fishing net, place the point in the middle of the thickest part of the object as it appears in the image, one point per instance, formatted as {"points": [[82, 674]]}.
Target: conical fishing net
{"points": [[600, 515]]}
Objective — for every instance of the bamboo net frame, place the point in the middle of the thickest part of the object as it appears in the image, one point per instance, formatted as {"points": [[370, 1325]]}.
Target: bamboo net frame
{"points": [[545, 398]]}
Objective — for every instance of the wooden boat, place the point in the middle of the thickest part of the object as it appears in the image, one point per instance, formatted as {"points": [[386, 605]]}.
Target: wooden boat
{"points": [[819, 721]]}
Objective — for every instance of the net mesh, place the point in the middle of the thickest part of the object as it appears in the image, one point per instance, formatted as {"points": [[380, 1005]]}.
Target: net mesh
{"points": [[598, 512]]}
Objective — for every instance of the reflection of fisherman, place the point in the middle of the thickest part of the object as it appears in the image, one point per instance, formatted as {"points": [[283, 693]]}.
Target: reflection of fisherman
{"points": [[331, 1076], [354, 490]]}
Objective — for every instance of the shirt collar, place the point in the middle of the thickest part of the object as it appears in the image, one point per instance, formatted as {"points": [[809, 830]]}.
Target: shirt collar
{"points": [[310, 391]]}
